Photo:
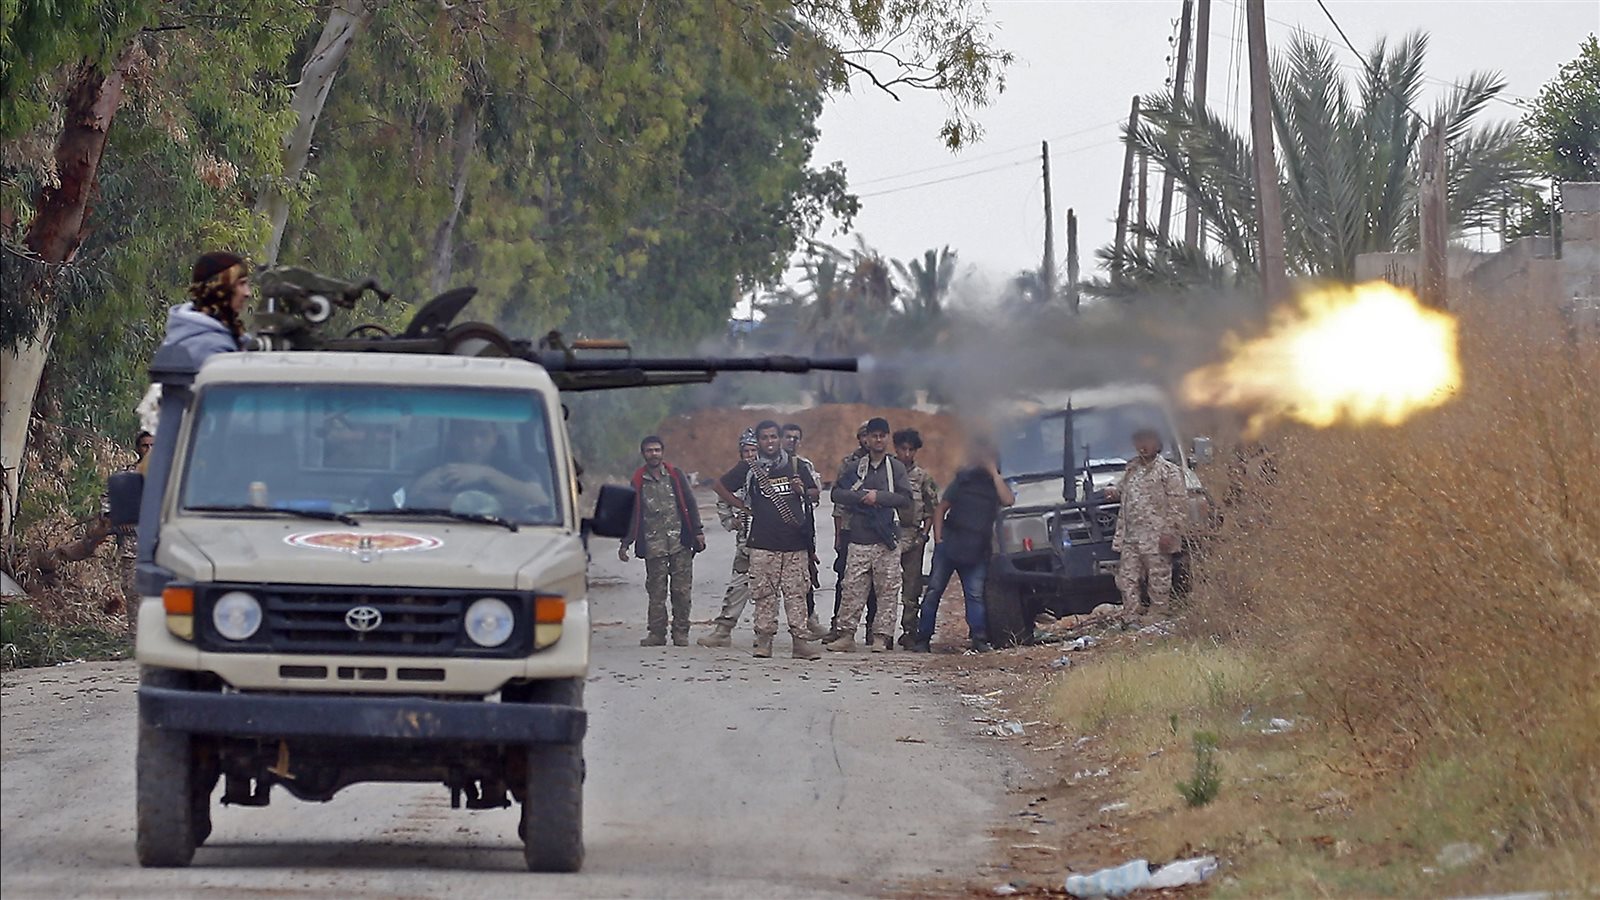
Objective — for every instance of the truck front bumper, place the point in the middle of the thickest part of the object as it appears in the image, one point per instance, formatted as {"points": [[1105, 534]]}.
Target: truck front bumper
{"points": [[378, 718]]}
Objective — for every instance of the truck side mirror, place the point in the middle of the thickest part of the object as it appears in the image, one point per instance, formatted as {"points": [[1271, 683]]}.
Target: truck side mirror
{"points": [[613, 512], [124, 493], [1202, 452]]}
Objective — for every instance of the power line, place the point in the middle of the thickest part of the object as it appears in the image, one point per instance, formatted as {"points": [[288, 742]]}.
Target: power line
{"points": [[993, 154], [1000, 168]]}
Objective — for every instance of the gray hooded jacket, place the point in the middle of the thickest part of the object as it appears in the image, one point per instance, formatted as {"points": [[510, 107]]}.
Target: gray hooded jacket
{"points": [[198, 333]]}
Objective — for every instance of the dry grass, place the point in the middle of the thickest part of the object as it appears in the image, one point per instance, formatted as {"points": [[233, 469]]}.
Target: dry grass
{"points": [[1428, 599]]}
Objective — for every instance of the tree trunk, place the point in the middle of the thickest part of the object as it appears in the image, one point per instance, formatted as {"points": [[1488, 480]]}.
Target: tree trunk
{"points": [[60, 223], [346, 20], [466, 140]]}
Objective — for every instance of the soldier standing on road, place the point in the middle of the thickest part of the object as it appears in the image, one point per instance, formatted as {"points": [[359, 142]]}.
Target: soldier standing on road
{"points": [[737, 521], [666, 534], [793, 434], [775, 487], [871, 491], [963, 527], [841, 532], [915, 522], [128, 539], [1154, 508]]}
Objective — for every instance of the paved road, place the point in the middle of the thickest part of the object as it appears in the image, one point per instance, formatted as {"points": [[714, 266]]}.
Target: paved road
{"points": [[710, 774]]}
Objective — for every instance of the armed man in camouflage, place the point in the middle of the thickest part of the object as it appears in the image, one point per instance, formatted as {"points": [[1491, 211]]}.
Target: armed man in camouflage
{"points": [[666, 534], [915, 522], [738, 522], [871, 490], [775, 488], [1155, 506]]}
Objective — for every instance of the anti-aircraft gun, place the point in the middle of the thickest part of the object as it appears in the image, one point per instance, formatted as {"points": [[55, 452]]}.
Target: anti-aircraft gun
{"points": [[296, 303], [366, 562]]}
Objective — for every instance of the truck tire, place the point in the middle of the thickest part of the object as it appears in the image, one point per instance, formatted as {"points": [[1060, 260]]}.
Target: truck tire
{"points": [[552, 806], [166, 794], [1009, 621]]}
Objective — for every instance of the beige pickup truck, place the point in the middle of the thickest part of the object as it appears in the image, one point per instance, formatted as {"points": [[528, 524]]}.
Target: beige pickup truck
{"points": [[362, 567]]}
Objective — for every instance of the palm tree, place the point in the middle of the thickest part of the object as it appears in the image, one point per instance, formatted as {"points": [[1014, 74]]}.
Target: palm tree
{"points": [[1348, 163], [928, 282]]}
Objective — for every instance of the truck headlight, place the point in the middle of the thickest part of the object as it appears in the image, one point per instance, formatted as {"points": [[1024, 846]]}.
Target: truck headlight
{"points": [[236, 615], [490, 622]]}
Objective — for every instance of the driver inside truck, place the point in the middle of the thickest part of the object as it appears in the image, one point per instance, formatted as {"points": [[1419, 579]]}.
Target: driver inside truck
{"points": [[475, 462]]}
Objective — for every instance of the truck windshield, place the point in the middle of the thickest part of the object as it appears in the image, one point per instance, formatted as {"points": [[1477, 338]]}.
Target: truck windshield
{"points": [[1034, 446], [341, 448]]}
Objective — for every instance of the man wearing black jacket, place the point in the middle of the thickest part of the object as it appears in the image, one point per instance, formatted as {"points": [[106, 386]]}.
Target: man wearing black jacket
{"points": [[963, 527], [870, 491]]}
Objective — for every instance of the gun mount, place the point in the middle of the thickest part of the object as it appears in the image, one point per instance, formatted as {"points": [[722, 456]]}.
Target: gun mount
{"points": [[297, 302]]}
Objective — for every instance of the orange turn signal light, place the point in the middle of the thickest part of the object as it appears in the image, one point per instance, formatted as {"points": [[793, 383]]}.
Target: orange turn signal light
{"points": [[549, 610], [178, 601]]}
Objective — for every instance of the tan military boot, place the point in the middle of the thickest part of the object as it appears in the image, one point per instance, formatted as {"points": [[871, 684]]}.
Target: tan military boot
{"points": [[816, 629], [804, 649], [845, 644], [762, 649], [722, 637]]}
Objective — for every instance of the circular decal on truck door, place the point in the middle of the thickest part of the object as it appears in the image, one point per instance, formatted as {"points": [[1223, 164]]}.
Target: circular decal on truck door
{"points": [[359, 542]]}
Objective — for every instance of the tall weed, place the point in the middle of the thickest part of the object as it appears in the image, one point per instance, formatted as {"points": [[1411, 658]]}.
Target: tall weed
{"points": [[1435, 588]]}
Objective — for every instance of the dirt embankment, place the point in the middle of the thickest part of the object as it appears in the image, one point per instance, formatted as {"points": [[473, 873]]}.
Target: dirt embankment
{"points": [[706, 441]]}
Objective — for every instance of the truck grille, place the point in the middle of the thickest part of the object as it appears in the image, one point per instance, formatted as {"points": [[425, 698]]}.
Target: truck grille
{"points": [[400, 622], [1074, 526], [316, 623]]}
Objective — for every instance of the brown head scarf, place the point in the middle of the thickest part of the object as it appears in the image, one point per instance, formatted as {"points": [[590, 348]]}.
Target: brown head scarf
{"points": [[211, 287]]}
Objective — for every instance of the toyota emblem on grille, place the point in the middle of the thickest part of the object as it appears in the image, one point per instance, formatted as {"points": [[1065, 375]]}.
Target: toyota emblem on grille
{"points": [[363, 619]]}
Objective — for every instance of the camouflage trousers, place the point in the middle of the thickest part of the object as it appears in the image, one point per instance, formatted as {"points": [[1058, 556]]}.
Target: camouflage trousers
{"points": [[669, 576], [911, 581], [869, 566], [1155, 569], [775, 573], [737, 597]]}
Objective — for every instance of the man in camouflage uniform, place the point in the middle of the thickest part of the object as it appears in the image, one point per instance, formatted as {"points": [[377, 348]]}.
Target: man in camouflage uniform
{"points": [[915, 521], [1155, 506], [841, 534], [775, 488], [666, 533], [793, 434], [871, 490], [128, 540], [738, 522]]}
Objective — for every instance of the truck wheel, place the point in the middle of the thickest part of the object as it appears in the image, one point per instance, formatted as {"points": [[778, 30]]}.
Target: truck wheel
{"points": [[165, 781], [552, 808], [1009, 622]]}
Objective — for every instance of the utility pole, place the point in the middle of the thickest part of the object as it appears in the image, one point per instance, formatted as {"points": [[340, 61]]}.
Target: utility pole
{"points": [[1048, 271], [1177, 102], [1072, 260], [1122, 195], [1269, 212], [1143, 211], [1434, 219], [1202, 45]]}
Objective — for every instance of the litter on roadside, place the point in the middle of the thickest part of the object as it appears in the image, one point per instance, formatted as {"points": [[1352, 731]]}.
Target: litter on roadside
{"points": [[1278, 726], [1137, 875], [1091, 773], [1004, 890], [1061, 662], [1003, 729], [1082, 642], [1113, 807]]}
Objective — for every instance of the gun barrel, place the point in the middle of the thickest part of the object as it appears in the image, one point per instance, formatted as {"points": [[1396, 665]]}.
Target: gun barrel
{"points": [[557, 362]]}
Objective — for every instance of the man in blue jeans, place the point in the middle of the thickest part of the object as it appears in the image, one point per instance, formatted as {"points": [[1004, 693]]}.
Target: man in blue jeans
{"points": [[963, 528]]}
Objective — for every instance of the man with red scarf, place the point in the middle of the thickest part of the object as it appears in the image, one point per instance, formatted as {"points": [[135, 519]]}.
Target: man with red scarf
{"points": [[666, 534]]}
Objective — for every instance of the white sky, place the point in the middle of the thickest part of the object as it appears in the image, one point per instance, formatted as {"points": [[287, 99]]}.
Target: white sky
{"points": [[1079, 62]]}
